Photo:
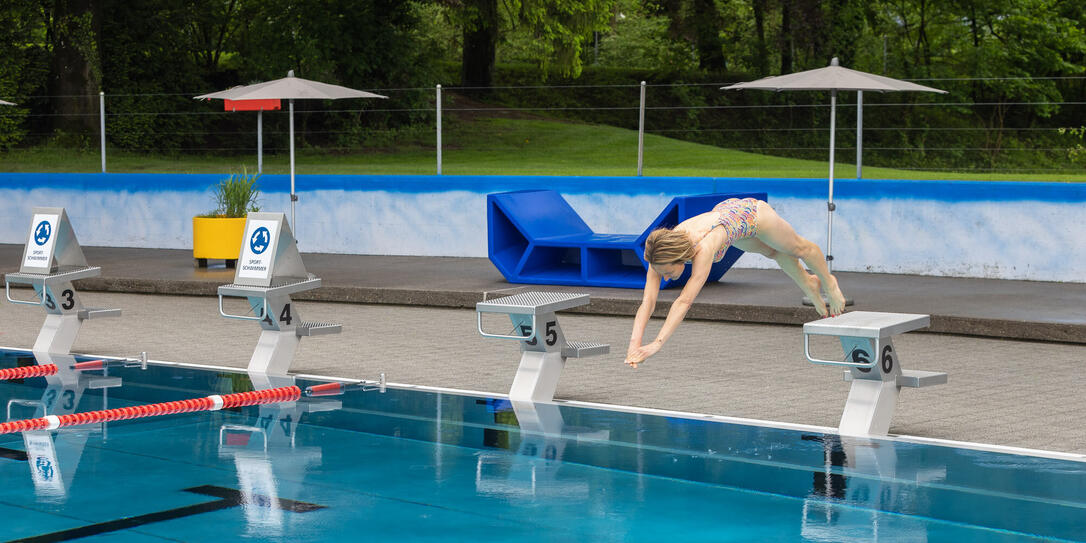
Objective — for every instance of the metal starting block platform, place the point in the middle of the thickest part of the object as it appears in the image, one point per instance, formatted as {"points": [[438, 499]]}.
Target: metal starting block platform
{"points": [[543, 345], [873, 365], [269, 270], [52, 259]]}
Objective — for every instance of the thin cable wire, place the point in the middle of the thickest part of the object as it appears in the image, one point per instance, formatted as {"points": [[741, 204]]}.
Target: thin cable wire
{"points": [[522, 109], [866, 129], [847, 105], [609, 86]]}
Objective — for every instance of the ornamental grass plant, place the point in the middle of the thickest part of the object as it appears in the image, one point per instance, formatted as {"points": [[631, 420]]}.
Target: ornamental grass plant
{"points": [[236, 196]]}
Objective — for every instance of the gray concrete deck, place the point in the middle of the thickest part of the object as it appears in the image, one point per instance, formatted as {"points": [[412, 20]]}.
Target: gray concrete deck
{"points": [[411, 319], [1032, 310]]}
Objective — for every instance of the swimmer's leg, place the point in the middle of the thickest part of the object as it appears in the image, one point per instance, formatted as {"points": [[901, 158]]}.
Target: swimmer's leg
{"points": [[778, 234], [809, 284]]}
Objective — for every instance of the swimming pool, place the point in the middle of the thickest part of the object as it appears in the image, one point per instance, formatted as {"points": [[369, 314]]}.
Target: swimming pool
{"points": [[418, 465]]}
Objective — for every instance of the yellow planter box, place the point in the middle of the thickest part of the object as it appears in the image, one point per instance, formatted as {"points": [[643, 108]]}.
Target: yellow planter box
{"points": [[215, 237]]}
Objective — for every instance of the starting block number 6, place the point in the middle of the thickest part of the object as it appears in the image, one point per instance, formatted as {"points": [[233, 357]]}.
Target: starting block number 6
{"points": [[860, 356]]}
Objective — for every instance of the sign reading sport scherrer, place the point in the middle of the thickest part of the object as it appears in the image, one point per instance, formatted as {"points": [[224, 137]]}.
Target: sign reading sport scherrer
{"points": [[258, 250], [39, 248]]}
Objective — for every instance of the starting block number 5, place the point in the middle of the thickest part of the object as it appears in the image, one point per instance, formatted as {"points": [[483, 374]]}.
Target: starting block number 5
{"points": [[551, 334]]}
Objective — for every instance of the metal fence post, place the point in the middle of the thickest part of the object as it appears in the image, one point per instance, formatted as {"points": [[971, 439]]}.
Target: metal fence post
{"points": [[641, 131], [439, 129], [859, 134], [102, 125]]}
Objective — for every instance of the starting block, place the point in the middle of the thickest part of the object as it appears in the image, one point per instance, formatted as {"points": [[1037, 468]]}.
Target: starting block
{"points": [[269, 270], [544, 348], [873, 365], [52, 259]]}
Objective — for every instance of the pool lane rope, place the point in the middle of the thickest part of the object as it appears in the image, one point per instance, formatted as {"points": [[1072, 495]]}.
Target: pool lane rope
{"points": [[23, 372], [209, 403]]}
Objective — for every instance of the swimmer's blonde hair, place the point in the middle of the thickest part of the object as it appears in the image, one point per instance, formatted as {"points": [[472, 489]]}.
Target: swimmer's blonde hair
{"points": [[667, 246]]}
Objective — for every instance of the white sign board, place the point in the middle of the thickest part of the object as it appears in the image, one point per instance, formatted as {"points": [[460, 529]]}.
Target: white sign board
{"points": [[258, 250], [39, 246]]}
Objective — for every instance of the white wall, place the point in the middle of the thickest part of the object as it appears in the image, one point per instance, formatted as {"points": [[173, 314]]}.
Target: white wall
{"points": [[1020, 239]]}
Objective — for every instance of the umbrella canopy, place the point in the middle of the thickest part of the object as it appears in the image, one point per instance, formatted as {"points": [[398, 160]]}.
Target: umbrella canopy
{"points": [[832, 77], [835, 78], [3, 103], [289, 88]]}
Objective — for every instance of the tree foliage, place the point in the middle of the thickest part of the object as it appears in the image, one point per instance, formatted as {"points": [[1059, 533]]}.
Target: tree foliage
{"points": [[1008, 63], [557, 30], [152, 56]]}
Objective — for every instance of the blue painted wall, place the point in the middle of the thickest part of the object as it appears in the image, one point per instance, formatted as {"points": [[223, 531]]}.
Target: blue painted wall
{"points": [[947, 191], [957, 228]]}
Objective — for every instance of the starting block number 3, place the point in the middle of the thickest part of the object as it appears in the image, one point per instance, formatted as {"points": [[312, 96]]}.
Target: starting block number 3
{"points": [[69, 300]]}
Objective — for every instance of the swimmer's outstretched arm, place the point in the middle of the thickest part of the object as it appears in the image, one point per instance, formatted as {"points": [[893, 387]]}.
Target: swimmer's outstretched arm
{"points": [[675, 314], [644, 312]]}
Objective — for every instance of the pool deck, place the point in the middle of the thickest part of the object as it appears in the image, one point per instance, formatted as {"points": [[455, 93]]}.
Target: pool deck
{"points": [[1014, 349]]}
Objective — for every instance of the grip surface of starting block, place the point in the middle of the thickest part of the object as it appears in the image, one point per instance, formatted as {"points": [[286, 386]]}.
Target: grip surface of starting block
{"points": [[874, 366]]}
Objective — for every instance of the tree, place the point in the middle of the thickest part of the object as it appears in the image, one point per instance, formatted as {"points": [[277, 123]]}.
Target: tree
{"points": [[561, 28], [786, 42], [699, 22], [480, 21], [639, 37], [211, 28], [75, 73], [24, 68]]}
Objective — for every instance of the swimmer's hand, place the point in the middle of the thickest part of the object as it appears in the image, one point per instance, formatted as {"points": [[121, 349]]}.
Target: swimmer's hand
{"points": [[640, 354]]}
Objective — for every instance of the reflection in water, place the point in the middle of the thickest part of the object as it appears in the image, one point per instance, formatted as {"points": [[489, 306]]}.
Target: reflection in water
{"points": [[865, 473], [440, 462], [53, 455], [266, 457], [533, 471]]}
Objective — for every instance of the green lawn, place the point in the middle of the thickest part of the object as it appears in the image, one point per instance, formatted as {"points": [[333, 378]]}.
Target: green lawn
{"points": [[499, 147]]}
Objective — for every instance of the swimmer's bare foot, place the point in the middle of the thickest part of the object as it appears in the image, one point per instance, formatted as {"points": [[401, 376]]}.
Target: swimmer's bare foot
{"points": [[812, 288], [837, 298]]}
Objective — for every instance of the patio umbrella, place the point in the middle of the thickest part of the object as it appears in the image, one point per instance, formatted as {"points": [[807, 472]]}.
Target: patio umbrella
{"points": [[833, 78], [289, 88]]}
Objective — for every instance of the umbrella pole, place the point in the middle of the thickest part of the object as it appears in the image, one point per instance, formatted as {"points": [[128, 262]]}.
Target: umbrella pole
{"points": [[260, 141], [829, 204], [293, 197]]}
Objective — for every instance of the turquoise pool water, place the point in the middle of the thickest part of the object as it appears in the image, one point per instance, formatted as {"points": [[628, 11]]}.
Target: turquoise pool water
{"points": [[416, 466]]}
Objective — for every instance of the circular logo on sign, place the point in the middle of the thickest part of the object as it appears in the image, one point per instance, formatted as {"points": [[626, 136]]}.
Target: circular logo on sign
{"points": [[260, 240], [45, 468], [42, 232]]}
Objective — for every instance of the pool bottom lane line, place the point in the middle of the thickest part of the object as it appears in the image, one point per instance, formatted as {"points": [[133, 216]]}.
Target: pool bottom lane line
{"points": [[228, 497]]}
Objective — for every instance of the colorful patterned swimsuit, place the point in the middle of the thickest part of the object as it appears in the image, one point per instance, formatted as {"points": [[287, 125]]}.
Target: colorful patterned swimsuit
{"points": [[739, 218]]}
